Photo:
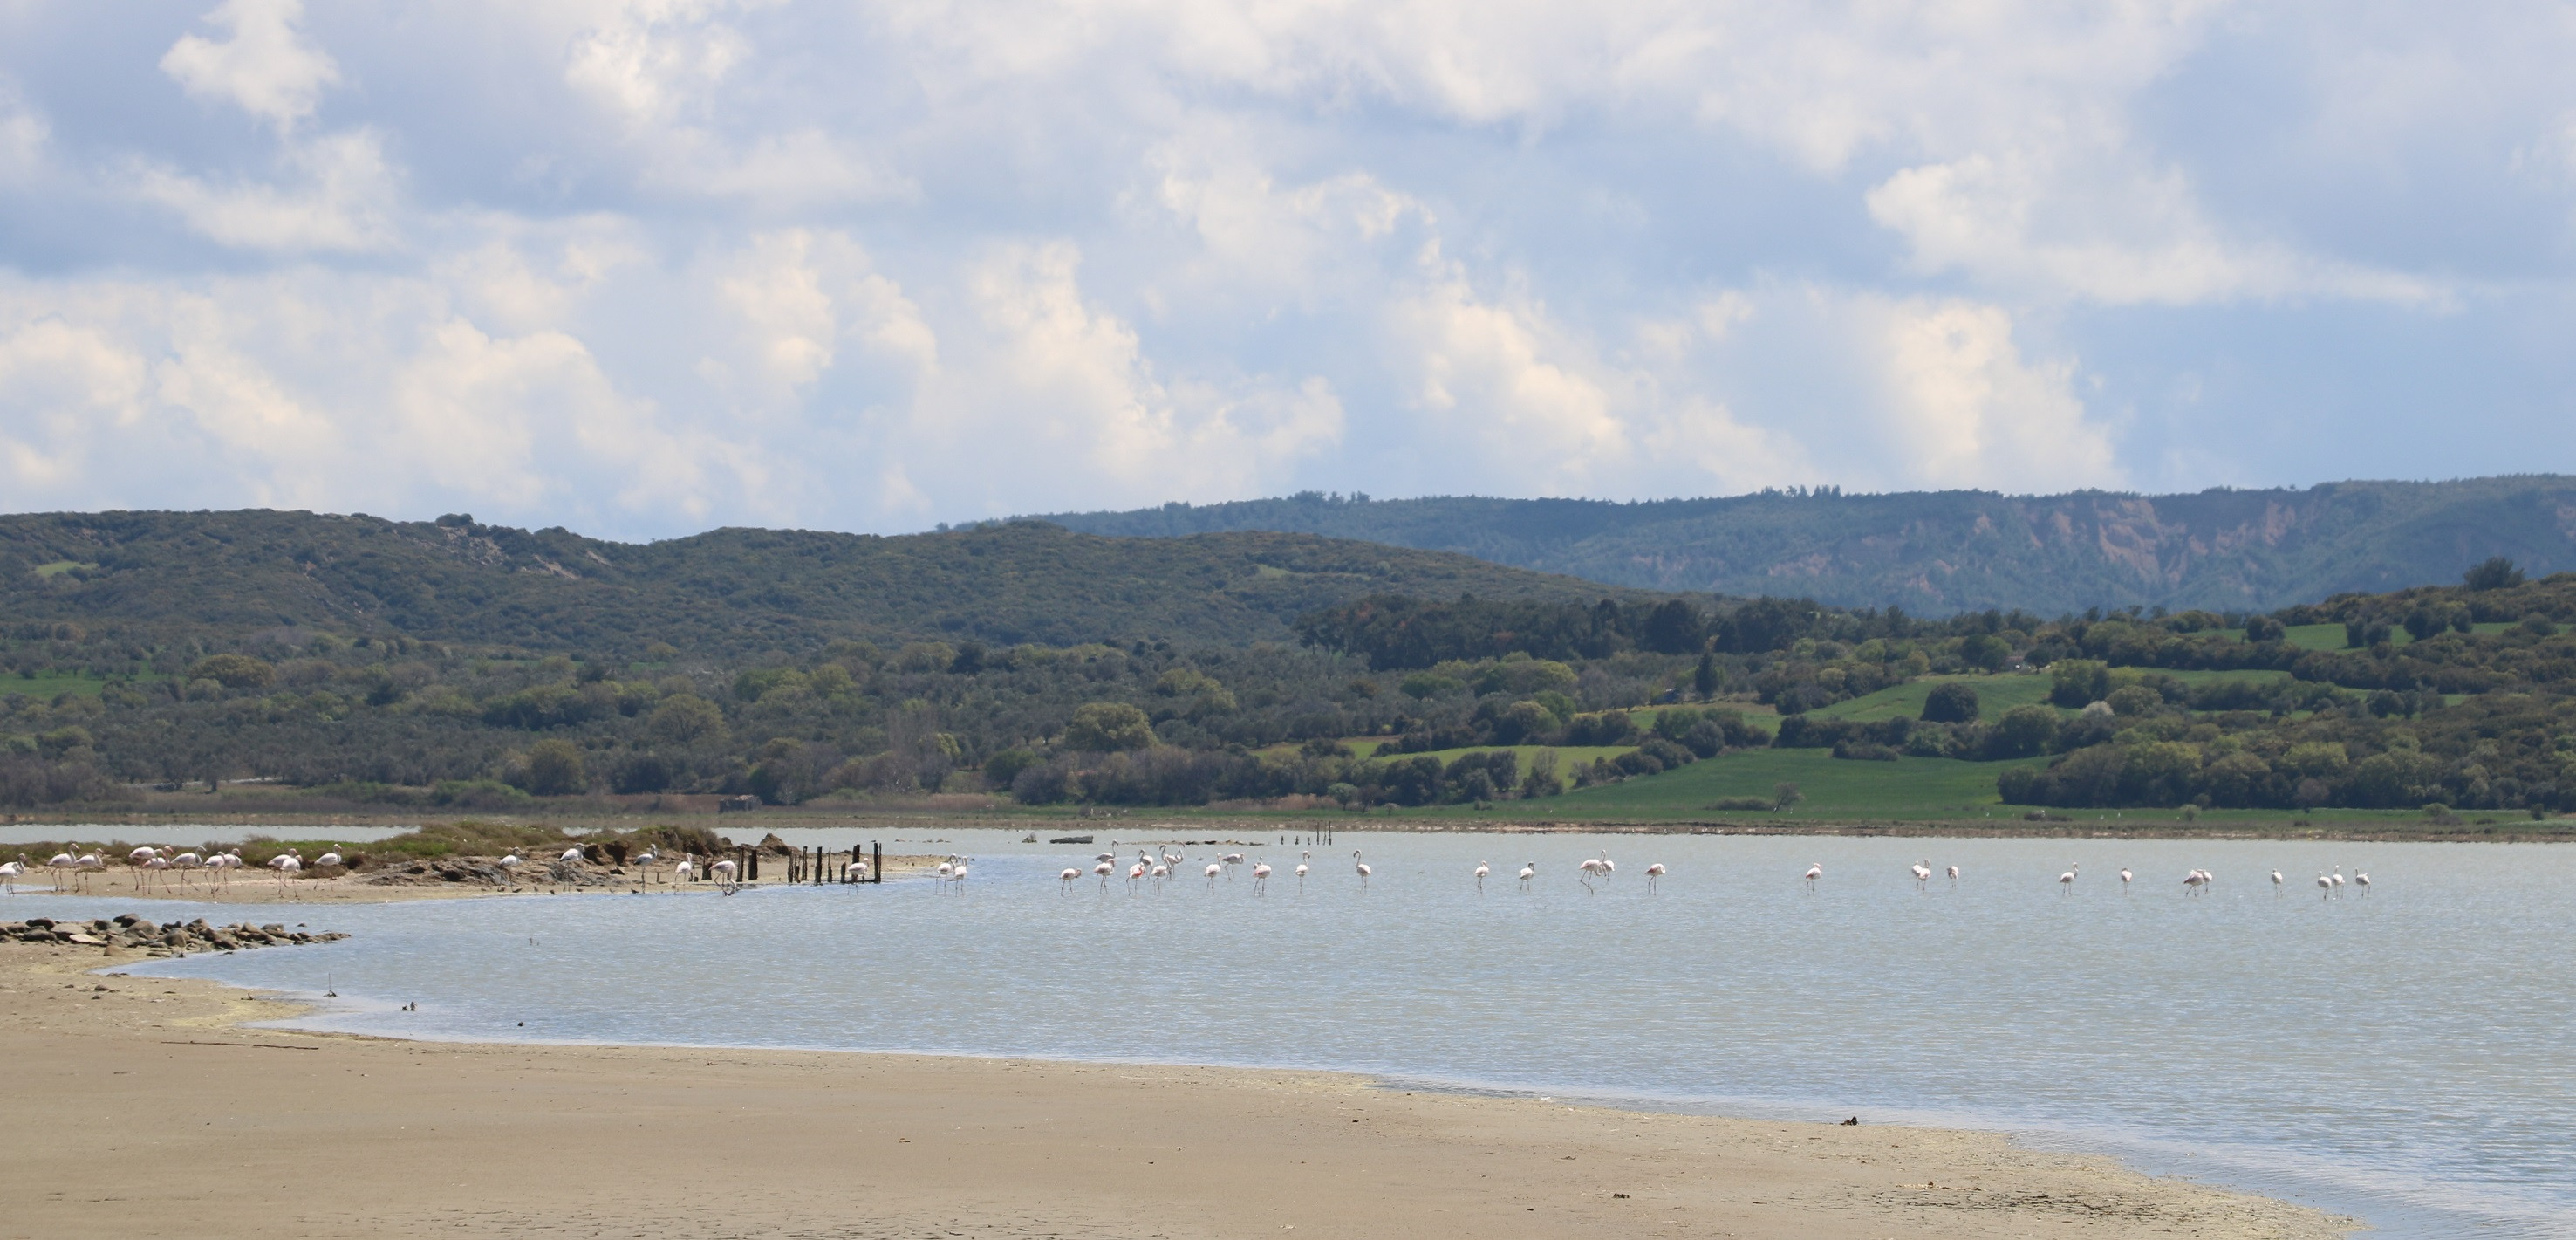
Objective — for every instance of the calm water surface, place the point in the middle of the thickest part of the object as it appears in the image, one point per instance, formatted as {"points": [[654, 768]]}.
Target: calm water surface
{"points": [[2408, 1056]]}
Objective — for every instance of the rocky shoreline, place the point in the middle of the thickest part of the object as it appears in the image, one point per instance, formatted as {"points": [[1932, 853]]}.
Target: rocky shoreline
{"points": [[136, 932]]}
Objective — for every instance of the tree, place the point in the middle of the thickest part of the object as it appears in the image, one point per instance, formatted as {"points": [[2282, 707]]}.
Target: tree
{"points": [[1951, 702], [2025, 730], [1707, 679], [1785, 794], [555, 769], [687, 719], [2493, 573], [234, 671], [1108, 727]]}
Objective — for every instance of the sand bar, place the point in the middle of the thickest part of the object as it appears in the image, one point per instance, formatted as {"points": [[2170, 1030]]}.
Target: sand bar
{"points": [[145, 1108]]}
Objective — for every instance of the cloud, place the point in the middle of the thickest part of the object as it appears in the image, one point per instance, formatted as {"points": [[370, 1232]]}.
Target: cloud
{"points": [[638, 265], [342, 196], [263, 67]]}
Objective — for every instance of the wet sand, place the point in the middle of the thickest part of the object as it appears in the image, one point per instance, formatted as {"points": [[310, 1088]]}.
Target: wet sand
{"points": [[143, 1107]]}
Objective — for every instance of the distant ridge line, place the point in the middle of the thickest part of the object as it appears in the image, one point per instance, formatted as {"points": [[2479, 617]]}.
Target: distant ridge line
{"points": [[1943, 552]]}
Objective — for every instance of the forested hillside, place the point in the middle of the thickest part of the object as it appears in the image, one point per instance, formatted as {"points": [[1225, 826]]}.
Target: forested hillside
{"points": [[732, 593], [1938, 553]]}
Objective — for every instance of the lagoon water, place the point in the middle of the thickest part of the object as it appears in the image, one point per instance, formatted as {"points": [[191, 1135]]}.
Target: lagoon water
{"points": [[2408, 1056]]}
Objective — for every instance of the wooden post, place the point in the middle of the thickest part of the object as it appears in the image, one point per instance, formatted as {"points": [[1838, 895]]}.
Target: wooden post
{"points": [[876, 872]]}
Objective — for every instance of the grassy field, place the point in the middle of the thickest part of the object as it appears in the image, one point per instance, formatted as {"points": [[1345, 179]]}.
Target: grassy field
{"points": [[1566, 755], [48, 686], [1995, 695]]}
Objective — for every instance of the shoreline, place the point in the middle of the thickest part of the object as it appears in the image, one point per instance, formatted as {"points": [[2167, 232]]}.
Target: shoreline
{"points": [[549, 1138]]}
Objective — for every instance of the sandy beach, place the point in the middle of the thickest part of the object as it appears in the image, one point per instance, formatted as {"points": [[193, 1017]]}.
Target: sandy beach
{"points": [[144, 1107]]}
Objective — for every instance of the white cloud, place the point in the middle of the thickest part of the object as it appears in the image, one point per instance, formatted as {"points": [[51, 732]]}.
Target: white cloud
{"points": [[343, 196], [264, 66], [59, 385], [1967, 410]]}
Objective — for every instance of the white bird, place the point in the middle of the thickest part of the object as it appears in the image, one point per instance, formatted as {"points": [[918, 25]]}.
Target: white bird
{"points": [[723, 872], [2338, 879], [1360, 866], [1528, 872], [188, 864], [1135, 875], [1482, 870], [141, 855], [1101, 868], [1922, 871], [1066, 879], [1301, 874], [159, 864], [570, 854], [328, 858], [2066, 881], [2325, 886], [1213, 870], [1158, 874], [1814, 872], [2125, 876], [684, 870], [1260, 876], [509, 859], [2362, 881], [58, 863], [2191, 883], [10, 873], [286, 864], [1954, 873], [2276, 882], [1653, 872], [141, 859], [958, 875]]}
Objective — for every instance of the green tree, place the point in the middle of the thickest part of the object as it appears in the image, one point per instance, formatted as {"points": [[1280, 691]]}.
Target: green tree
{"points": [[687, 719], [2079, 682], [1706, 680], [234, 671], [1951, 702], [555, 769], [2493, 573], [1108, 727], [2025, 730]]}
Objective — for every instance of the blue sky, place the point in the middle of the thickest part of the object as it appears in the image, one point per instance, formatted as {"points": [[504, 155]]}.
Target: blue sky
{"points": [[645, 268]]}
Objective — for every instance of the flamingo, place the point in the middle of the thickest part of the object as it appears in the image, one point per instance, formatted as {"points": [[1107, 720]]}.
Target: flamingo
{"points": [[1653, 872], [1260, 877], [1301, 874], [644, 861], [1159, 873], [684, 870], [58, 863], [2362, 881], [2125, 876], [2276, 883], [286, 864], [1101, 868], [1231, 860], [1814, 872], [1065, 880], [958, 876], [1922, 871], [1213, 870], [570, 855], [2191, 883], [509, 860], [188, 864], [1135, 875], [1528, 871], [9, 874], [1482, 870], [328, 858], [138, 859], [1954, 873], [89, 862], [1362, 867], [2338, 881], [160, 865], [2325, 886], [2066, 881], [723, 872]]}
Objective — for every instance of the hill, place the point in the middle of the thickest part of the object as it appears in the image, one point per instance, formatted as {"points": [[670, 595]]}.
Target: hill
{"points": [[1940, 553], [729, 592]]}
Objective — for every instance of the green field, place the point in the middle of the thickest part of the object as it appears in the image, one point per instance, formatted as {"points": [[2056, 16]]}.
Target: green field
{"points": [[1566, 755], [1995, 695], [49, 685]]}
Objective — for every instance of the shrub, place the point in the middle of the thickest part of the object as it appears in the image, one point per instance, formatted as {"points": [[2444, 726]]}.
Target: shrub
{"points": [[1951, 703]]}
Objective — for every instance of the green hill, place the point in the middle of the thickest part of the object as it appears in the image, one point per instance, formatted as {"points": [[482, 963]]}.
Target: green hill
{"points": [[1938, 553], [726, 592]]}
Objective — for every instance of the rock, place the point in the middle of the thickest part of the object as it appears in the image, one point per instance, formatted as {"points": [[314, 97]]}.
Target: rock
{"points": [[78, 939], [41, 923], [273, 928], [224, 942], [127, 919]]}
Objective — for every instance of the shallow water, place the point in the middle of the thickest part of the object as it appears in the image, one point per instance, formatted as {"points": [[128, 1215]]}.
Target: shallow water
{"points": [[2403, 1055]]}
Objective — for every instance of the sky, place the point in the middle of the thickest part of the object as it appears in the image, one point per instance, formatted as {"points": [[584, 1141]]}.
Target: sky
{"points": [[651, 267]]}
